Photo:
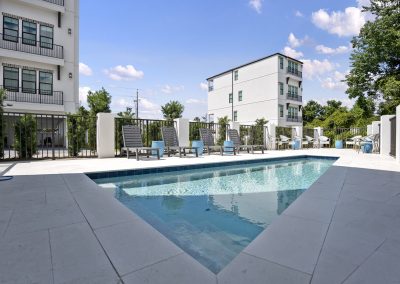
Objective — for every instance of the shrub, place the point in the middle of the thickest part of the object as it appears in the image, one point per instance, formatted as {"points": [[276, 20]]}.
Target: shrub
{"points": [[25, 136]]}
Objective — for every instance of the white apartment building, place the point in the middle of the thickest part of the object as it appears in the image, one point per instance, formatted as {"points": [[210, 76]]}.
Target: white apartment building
{"points": [[270, 88], [39, 55]]}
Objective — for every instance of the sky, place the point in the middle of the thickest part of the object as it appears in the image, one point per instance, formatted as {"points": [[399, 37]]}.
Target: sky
{"points": [[167, 49]]}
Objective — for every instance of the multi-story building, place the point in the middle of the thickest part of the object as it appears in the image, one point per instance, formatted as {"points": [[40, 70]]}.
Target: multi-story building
{"points": [[270, 88], [39, 55]]}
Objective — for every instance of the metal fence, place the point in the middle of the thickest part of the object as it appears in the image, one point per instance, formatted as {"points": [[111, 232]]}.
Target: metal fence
{"points": [[150, 129], [253, 134], [219, 130], [311, 132], [57, 2], [344, 133], [285, 131], [44, 136], [34, 96], [393, 136]]}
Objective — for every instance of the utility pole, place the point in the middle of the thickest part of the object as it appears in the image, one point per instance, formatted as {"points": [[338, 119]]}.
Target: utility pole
{"points": [[137, 103]]}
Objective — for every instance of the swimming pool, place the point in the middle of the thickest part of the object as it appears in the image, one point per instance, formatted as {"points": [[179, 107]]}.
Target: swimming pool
{"points": [[214, 213]]}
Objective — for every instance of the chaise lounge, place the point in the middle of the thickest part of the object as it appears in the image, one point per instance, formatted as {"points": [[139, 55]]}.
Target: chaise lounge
{"points": [[235, 138], [133, 142], [172, 144], [207, 137]]}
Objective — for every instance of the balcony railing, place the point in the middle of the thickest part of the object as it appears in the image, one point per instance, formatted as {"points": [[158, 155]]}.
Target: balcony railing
{"points": [[291, 118], [35, 96], [57, 2], [33, 47], [294, 97], [294, 72]]}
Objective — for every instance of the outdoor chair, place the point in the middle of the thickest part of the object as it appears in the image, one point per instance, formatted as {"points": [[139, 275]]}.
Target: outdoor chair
{"points": [[352, 141], [207, 137], [309, 140], [233, 135], [133, 142], [172, 143], [323, 140], [283, 141]]}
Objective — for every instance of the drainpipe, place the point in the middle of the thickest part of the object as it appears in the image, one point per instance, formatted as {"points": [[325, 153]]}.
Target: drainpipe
{"points": [[232, 94]]}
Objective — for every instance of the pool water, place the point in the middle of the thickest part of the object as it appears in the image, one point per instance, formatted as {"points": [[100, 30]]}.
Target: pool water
{"points": [[213, 214]]}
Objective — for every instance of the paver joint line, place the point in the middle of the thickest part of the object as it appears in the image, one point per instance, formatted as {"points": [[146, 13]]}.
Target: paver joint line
{"points": [[91, 228], [51, 256]]}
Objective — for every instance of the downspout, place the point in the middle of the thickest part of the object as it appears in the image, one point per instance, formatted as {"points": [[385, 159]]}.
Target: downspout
{"points": [[232, 95]]}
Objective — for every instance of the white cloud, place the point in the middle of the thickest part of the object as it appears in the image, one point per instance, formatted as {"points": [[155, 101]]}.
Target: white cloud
{"points": [[124, 73], [84, 69], [298, 14], [196, 101], [312, 68], [328, 50], [148, 109], [256, 5], [204, 86], [292, 53], [334, 82], [83, 93], [294, 42], [167, 89], [341, 23]]}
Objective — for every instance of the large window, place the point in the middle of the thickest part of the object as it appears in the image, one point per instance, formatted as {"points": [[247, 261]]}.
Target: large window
{"points": [[10, 29], [11, 78], [280, 108], [45, 83], [236, 75], [240, 96], [29, 31], [230, 98], [210, 85], [281, 88], [293, 112], [293, 67], [281, 62], [293, 91], [28, 81], [235, 115], [46, 37]]}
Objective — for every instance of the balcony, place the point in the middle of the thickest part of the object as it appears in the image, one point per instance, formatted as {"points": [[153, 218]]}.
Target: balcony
{"points": [[56, 2], [34, 47], [292, 97], [291, 118], [294, 72], [35, 96]]}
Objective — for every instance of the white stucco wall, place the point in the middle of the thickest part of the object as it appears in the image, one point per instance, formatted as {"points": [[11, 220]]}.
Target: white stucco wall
{"points": [[260, 89], [385, 134], [398, 134], [42, 11]]}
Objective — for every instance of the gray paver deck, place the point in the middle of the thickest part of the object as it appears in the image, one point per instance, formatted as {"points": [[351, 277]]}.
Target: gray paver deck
{"points": [[60, 228]]}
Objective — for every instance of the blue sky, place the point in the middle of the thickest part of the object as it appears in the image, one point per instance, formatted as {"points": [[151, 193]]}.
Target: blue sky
{"points": [[167, 49]]}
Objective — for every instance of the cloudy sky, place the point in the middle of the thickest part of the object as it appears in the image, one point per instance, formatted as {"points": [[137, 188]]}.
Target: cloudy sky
{"points": [[167, 49]]}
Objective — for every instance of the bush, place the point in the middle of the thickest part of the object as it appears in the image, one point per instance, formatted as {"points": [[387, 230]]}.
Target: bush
{"points": [[25, 136], [222, 128], [77, 127]]}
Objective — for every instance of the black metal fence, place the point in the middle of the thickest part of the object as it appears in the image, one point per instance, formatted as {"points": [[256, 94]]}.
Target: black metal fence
{"points": [[150, 129], [344, 133], [285, 131], [219, 130], [44, 136], [31, 46], [57, 2], [34, 96], [253, 134], [393, 136]]}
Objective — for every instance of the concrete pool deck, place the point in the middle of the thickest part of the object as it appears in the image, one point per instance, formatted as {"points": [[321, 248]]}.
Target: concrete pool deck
{"points": [[56, 226]]}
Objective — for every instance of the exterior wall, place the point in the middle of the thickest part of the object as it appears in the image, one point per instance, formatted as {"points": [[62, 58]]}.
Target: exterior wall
{"points": [[385, 134], [398, 134], [45, 12], [260, 90]]}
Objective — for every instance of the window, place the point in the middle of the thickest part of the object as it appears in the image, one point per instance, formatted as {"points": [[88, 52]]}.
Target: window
{"points": [[293, 91], [280, 110], [28, 81], [281, 88], [235, 115], [46, 37], [293, 112], [210, 85], [236, 75], [29, 31], [293, 67], [230, 98], [10, 29], [281, 62], [11, 78], [45, 83], [240, 96]]}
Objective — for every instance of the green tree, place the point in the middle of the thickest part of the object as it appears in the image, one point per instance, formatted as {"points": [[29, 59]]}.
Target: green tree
{"points": [[2, 98], [25, 136], [222, 128], [98, 101], [331, 107], [77, 125], [311, 111], [172, 110], [375, 59]]}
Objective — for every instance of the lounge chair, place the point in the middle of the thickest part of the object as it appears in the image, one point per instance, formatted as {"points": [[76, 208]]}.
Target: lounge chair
{"points": [[352, 141], [323, 140], [207, 137], [235, 138], [133, 142], [172, 144], [283, 141], [309, 140]]}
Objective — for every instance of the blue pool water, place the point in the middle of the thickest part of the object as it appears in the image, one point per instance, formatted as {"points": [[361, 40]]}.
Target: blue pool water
{"points": [[213, 214]]}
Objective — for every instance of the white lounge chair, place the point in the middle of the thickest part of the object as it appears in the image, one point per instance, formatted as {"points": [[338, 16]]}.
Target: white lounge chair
{"points": [[283, 141], [309, 140], [323, 140], [352, 141]]}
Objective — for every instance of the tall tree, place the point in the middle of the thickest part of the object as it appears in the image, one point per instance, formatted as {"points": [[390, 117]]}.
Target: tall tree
{"points": [[375, 60], [172, 110], [311, 111], [99, 101]]}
